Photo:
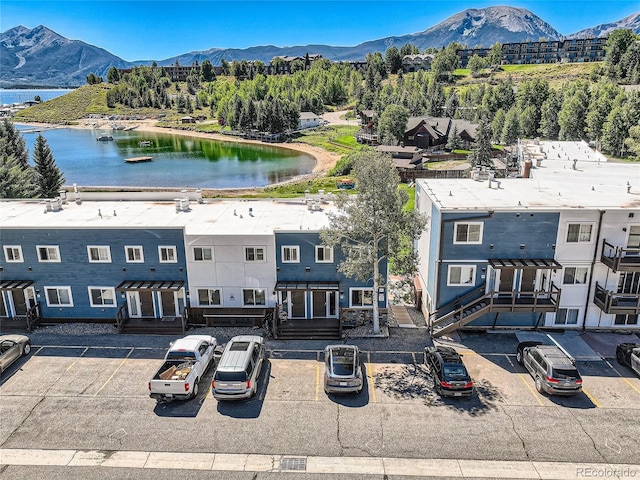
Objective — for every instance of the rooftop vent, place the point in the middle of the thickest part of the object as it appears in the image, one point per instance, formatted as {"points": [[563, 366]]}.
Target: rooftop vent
{"points": [[182, 204]]}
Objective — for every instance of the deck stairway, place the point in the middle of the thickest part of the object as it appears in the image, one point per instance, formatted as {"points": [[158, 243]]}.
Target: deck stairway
{"points": [[316, 329], [461, 316]]}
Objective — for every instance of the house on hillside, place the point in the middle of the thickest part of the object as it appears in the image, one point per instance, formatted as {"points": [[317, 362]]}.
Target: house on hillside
{"points": [[413, 63], [309, 120]]}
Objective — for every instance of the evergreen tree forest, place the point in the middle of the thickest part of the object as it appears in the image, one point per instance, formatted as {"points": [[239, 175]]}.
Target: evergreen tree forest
{"points": [[597, 109]]}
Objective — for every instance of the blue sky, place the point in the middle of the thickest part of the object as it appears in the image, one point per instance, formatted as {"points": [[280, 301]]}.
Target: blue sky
{"points": [[155, 30]]}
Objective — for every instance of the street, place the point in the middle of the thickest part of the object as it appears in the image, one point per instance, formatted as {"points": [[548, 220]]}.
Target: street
{"points": [[73, 397]]}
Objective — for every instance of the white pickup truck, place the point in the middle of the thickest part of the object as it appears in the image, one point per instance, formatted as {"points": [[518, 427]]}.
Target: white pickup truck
{"points": [[184, 365]]}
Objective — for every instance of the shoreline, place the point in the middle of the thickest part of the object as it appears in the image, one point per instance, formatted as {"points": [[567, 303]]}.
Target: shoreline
{"points": [[324, 160]]}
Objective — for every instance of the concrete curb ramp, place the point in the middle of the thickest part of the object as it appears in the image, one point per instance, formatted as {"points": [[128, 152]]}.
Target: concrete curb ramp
{"points": [[415, 467]]}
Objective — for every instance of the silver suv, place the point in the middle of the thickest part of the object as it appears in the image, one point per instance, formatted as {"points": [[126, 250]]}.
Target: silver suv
{"points": [[239, 368], [552, 369]]}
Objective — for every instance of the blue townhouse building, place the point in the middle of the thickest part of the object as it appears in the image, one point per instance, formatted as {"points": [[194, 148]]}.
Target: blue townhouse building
{"points": [[556, 247], [158, 266], [310, 290]]}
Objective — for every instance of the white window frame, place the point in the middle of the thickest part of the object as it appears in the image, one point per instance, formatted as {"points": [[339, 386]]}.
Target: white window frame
{"points": [[209, 296], [101, 249], [456, 225], [291, 248], [203, 248], [111, 290], [50, 248], [566, 316], [326, 250], [58, 290], [255, 251], [168, 248], [580, 233], [364, 290], [254, 290], [13, 249], [584, 272], [470, 268], [134, 248]]}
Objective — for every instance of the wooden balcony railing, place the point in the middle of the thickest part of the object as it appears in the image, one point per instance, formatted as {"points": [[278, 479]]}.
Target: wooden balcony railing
{"points": [[616, 303], [619, 258]]}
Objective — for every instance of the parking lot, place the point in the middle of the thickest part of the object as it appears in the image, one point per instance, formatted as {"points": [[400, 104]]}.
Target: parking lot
{"points": [[297, 375], [75, 396]]}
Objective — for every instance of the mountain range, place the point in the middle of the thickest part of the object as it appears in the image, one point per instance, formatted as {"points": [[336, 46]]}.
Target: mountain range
{"points": [[41, 57]]}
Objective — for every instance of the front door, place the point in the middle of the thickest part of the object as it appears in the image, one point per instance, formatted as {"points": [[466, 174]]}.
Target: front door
{"points": [[297, 304], [146, 303], [19, 302], [506, 280], [168, 300], [528, 283], [324, 304]]}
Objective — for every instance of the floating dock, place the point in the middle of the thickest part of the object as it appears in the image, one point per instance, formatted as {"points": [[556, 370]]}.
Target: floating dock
{"points": [[138, 159]]}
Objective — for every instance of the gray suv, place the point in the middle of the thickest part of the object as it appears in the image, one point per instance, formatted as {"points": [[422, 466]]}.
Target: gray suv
{"points": [[552, 369]]}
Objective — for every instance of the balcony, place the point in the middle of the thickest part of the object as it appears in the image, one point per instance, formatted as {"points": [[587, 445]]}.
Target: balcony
{"points": [[619, 258], [616, 303]]}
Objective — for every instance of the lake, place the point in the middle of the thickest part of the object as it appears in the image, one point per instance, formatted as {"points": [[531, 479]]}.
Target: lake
{"points": [[18, 95], [178, 161]]}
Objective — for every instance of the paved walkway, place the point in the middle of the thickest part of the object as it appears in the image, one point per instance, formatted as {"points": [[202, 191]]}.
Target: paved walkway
{"points": [[412, 467], [401, 316]]}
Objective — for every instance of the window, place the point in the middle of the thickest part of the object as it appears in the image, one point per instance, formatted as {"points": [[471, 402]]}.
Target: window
{"points": [[567, 316], [461, 275], [203, 254], [579, 232], [134, 254], [99, 254], [167, 255], [251, 297], [468, 233], [290, 254], [575, 275], [634, 237], [48, 253], [58, 296], [361, 297], [208, 296], [102, 296], [254, 254], [626, 320], [13, 253], [324, 254]]}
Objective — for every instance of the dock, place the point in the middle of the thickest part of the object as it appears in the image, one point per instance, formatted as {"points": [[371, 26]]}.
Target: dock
{"points": [[138, 159]]}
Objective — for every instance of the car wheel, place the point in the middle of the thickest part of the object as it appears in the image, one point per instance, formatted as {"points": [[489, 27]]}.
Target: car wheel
{"points": [[539, 387], [519, 357], [194, 393], [26, 350], [620, 357]]}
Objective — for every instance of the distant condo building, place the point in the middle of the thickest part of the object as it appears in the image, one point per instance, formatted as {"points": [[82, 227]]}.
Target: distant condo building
{"points": [[553, 51]]}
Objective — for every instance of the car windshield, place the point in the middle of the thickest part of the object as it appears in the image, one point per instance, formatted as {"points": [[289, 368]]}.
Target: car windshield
{"points": [[563, 373], [455, 371]]}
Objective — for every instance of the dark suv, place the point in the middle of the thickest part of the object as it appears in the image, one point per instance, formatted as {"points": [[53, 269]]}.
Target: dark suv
{"points": [[450, 377], [551, 368]]}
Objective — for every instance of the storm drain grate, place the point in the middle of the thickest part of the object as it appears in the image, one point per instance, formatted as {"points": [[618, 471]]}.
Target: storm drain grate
{"points": [[293, 463]]}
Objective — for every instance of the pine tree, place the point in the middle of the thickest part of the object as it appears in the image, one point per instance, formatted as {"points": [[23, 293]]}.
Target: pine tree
{"points": [[16, 176], [48, 176], [480, 156]]}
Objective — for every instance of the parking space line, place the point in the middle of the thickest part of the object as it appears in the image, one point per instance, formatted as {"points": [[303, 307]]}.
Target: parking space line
{"points": [[372, 386], [413, 355], [535, 395], [76, 360], [509, 360], [317, 380], [114, 372], [590, 397], [620, 375]]}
